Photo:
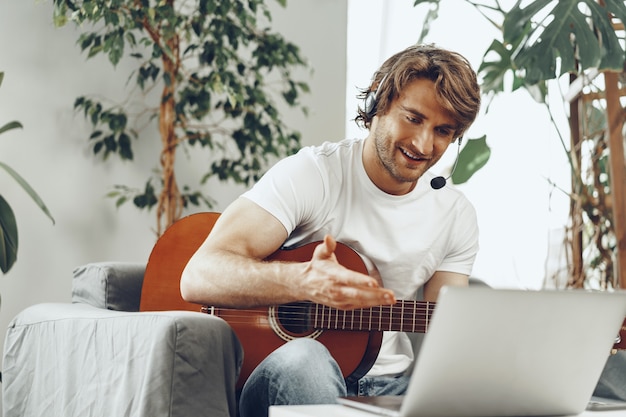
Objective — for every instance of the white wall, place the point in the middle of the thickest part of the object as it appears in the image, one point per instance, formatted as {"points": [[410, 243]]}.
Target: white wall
{"points": [[44, 73]]}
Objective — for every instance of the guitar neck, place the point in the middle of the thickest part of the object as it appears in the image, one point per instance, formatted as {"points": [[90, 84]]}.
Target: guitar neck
{"points": [[404, 316]]}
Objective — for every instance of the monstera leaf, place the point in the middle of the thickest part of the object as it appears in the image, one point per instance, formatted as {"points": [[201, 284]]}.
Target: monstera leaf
{"points": [[473, 157], [571, 41], [548, 38]]}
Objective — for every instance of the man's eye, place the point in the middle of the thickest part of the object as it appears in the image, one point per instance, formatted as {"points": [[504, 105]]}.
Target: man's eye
{"points": [[444, 132]]}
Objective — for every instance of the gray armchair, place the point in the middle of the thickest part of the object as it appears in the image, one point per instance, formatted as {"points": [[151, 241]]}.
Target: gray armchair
{"points": [[100, 356]]}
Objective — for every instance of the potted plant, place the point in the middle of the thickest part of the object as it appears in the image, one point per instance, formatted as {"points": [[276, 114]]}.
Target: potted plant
{"points": [[211, 74]]}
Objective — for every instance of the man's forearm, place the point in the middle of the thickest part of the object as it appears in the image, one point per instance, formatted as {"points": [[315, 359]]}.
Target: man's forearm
{"points": [[227, 279]]}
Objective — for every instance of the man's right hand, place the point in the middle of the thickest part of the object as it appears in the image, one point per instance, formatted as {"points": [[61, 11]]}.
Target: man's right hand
{"points": [[330, 283]]}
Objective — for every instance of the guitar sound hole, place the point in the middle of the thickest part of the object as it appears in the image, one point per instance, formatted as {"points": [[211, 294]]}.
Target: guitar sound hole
{"points": [[294, 317]]}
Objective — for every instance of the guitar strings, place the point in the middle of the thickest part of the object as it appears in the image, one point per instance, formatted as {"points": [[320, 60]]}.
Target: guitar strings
{"points": [[308, 315], [310, 309]]}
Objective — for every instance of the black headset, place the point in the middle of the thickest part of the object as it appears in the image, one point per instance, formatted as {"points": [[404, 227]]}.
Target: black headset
{"points": [[370, 102]]}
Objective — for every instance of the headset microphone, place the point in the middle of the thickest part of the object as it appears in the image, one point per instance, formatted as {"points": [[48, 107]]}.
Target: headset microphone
{"points": [[440, 182]]}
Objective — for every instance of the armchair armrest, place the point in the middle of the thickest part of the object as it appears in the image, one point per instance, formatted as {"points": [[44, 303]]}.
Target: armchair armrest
{"points": [[78, 360]]}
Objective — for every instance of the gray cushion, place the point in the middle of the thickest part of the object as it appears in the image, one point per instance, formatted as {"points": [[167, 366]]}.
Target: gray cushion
{"points": [[109, 285]]}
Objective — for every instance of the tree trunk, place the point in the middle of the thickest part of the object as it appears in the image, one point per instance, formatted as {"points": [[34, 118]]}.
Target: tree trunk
{"points": [[615, 119], [170, 203], [577, 273]]}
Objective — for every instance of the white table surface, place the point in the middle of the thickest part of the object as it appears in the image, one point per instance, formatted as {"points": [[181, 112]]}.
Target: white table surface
{"points": [[336, 410]]}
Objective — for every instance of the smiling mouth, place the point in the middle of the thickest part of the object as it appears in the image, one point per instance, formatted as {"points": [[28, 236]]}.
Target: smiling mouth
{"points": [[412, 156]]}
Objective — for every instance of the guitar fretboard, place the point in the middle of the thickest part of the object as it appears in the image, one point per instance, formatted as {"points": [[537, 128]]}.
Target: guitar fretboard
{"points": [[405, 316]]}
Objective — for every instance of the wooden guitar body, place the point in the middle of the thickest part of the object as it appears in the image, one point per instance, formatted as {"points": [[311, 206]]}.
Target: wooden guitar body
{"points": [[259, 330]]}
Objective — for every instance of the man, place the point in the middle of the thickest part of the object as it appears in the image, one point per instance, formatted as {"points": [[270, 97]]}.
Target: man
{"points": [[374, 195]]}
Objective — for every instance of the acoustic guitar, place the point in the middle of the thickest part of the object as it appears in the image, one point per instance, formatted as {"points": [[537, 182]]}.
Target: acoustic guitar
{"points": [[353, 337]]}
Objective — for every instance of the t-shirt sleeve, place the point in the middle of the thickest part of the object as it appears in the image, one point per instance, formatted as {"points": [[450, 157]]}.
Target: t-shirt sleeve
{"points": [[291, 190], [464, 240]]}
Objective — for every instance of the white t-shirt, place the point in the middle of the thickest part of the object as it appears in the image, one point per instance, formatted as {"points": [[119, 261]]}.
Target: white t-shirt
{"points": [[403, 239]]}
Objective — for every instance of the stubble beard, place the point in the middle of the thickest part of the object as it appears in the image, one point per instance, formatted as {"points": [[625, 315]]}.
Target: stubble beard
{"points": [[385, 152]]}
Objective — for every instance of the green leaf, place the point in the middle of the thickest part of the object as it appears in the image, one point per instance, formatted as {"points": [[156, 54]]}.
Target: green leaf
{"points": [[85, 40], [8, 236], [498, 62], [120, 201], [125, 147], [117, 122], [472, 157], [29, 190], [494, 71], [10, 125], [595, 121], [59, 20], [571, 41], [95, 134]]}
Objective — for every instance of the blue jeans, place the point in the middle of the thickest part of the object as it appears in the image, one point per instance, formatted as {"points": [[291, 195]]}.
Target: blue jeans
{"points": [[303, 372]]}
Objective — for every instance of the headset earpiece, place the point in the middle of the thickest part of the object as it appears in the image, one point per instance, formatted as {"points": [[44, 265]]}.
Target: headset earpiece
{"points": [[369, 105]]}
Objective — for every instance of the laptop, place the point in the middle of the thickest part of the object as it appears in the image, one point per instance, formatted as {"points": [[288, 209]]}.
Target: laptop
{"points": [[491, 352]]}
